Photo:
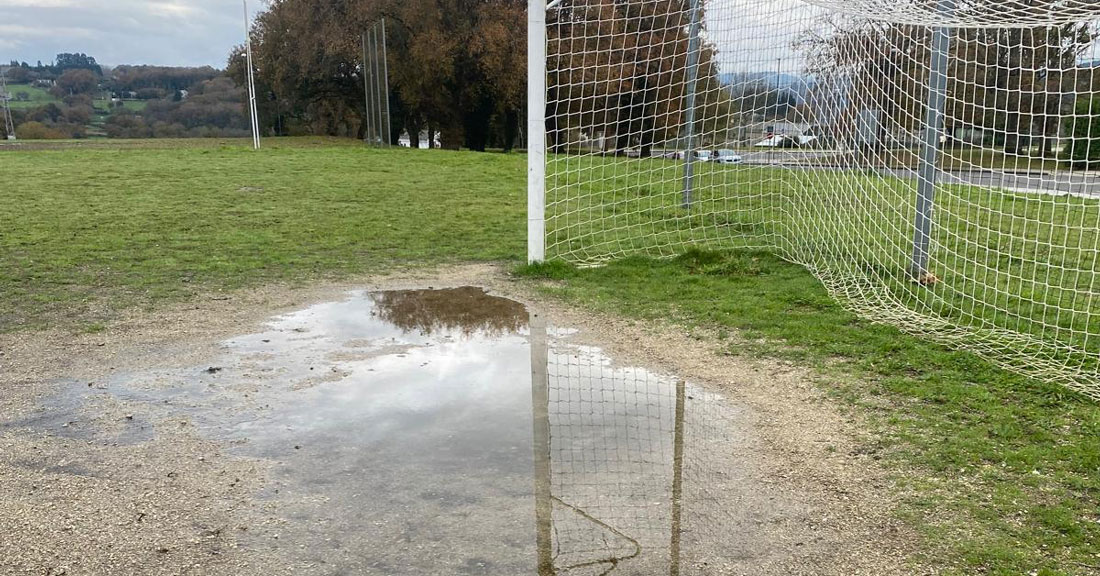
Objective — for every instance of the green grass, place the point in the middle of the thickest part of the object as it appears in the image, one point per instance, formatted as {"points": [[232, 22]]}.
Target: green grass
{"points": [[131, 105], [88, 230], [38, 96], [1016, 272], [1000, 474]]}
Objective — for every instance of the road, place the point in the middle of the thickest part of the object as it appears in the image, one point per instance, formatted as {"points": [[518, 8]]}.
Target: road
{"points": [[1073, 183]]}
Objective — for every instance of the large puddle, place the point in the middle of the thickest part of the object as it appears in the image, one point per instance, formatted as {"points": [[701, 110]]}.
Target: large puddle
{"points": [[449, 432]]}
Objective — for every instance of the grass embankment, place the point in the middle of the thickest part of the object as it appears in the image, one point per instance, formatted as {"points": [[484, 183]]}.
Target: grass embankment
{"points": [[40, 97], [35, 96], [1001, 473]]}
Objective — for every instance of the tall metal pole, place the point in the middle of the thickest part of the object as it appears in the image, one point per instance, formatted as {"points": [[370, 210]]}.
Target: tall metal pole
{"points": [[775, 122], [9, 122], [376, 97], [536, 131], [933, 131], [692, 77], [540, 403], [368, 133], [251, 79], [379, 86], [386, 84]]}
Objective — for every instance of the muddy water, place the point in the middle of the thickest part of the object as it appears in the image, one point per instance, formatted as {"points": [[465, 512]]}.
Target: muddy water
{"points": [[451, 432]]}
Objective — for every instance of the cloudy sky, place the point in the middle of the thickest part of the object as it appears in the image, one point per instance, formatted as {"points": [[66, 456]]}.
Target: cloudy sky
{"points": [[168, 32]]}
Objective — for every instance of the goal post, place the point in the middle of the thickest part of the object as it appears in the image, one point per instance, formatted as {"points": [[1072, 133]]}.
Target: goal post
{"points": [[933, 163], [536, 131]]}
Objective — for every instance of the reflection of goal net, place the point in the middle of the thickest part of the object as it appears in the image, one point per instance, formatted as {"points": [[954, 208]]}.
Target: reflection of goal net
{"points": [[930, 161], [634, 469]]}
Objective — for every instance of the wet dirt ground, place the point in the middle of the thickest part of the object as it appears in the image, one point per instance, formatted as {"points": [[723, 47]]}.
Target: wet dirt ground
{"points": [[413, 431]]}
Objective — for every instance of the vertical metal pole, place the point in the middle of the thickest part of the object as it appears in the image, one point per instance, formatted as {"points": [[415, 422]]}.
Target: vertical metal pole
{"points": [[386, 85], [540, 403], [536, 131], [367, 129], [9, 122], [375, 53], [926, 185], [692, 78], [251, 78], [677, 480]]}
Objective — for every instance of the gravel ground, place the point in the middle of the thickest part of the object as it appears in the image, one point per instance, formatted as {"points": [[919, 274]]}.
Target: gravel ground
{"points": [[107, 488]]}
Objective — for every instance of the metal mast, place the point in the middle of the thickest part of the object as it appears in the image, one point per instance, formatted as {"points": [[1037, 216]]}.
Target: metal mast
{"points": [[5, 97], [251, 80]]}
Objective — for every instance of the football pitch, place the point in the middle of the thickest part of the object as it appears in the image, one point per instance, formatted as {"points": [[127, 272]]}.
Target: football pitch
{"points": [[994, 472]]}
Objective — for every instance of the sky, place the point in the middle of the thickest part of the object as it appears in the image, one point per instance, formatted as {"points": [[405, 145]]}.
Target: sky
{"points": [[752, 35], [158, 32], [202, 32]]}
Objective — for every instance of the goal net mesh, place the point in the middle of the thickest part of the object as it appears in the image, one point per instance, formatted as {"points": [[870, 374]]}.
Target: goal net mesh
{"points": [[644, 476], [928, 160]]}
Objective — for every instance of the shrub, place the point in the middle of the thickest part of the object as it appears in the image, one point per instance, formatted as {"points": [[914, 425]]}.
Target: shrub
{"points": [[1083, 151], [37, 131]]}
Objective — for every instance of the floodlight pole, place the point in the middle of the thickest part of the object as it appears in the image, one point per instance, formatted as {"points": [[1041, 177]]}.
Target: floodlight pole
{"points": [[386, 86], [251, 79], [933, 131], [9, 122], [536, 130], [692, 79], [368, 130]]}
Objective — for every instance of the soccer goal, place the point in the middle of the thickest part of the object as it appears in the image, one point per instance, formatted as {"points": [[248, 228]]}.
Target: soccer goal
{"points": [[931, 161]]}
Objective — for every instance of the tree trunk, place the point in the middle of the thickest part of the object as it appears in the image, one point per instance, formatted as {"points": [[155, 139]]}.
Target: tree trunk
{"points": [[476, 125], [511, 129], [646, 147]]}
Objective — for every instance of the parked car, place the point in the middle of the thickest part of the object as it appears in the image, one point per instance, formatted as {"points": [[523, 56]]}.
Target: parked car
{"points": [[728, 157], [703, 155]]}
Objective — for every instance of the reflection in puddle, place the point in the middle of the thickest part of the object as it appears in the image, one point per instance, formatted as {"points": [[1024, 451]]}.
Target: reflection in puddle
{"points": [[401, 428]]}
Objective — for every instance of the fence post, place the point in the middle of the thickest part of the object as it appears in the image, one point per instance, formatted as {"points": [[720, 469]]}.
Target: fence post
{"points": [[536, 131], [692, 80], [928, 170]]}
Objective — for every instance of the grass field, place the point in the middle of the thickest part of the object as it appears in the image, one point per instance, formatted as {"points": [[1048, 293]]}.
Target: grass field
{"points": [[36, 96], [1001, 474], [89, 230], [40, 97]]}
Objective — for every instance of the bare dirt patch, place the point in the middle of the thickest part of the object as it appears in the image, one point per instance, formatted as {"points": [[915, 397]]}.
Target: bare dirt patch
{"points": [[118, 492]]}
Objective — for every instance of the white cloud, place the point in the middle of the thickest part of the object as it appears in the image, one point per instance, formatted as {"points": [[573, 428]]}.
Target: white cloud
{"points": [[168, 32]]}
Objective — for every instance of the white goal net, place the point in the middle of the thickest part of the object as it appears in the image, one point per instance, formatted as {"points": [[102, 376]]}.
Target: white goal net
{"points": [[931, 161]]}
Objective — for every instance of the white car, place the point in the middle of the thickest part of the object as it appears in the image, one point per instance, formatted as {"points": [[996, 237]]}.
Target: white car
{"points": [[728, 157], [703, 155]]}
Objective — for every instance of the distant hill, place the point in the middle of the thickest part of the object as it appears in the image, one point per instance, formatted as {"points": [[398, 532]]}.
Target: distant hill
{"points": [[799, 85]]}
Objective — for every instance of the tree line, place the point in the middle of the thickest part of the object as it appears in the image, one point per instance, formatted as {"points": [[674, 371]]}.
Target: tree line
{"points": [[1018, 88], [457, 68], [125, 101]]}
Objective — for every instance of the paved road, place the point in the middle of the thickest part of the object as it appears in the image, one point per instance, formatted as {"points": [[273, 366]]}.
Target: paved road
{"points": [[1084, 184]]}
